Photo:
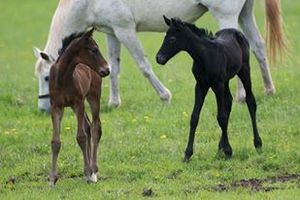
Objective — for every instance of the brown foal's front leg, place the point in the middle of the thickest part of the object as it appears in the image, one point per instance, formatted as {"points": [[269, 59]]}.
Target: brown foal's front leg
{"points": [[56, 116], [96, 133], [82, 137], [87, 129]]}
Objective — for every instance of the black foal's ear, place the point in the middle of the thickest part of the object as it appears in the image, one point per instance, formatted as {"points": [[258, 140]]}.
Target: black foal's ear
{"points": [[176, 22], [167, 20]]}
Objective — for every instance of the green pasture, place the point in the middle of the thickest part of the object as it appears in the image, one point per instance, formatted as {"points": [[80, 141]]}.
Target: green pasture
{"points": [[144, 140]]}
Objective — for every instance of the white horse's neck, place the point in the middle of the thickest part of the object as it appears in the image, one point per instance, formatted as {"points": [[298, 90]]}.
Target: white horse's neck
{"points": [[69, 17]]}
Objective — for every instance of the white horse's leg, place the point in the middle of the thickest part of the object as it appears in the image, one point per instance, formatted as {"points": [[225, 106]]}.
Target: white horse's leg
{"points": [[128, 37], [248, 24], [114, 48], [227, 16]]}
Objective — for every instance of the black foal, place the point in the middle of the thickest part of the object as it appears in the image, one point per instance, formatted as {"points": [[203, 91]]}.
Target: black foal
{"points": [[216, 60]]}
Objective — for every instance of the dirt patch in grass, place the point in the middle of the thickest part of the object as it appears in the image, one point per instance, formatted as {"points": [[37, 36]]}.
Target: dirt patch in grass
{"points": [[260, 184]]}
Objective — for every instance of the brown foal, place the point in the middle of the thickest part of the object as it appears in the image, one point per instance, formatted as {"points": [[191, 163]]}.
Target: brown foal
{"points": [[76, 76]]}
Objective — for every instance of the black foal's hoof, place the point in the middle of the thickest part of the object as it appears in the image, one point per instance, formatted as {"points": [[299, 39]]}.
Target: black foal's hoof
{"points": [[187, 156], [186, 159], [258, 144], [227, 152], [228, 155]]}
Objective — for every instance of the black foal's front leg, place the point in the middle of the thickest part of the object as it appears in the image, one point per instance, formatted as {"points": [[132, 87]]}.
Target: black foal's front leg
{"points": [[224, 100], [200, 93]]}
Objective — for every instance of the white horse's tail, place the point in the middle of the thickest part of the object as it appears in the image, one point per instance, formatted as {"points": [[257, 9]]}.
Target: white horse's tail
{"points": [[275, 38]]}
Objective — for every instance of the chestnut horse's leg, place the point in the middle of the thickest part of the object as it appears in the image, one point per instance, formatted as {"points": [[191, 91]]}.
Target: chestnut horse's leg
{"points": [[56, 116], [96, 133], [81, 137]]}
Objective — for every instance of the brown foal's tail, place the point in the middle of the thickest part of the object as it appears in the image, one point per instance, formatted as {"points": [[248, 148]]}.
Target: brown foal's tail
{"points": [[276, 41]]}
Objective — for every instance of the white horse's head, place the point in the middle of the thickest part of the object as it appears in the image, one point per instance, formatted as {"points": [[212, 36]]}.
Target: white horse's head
{"points": [[42, 70]]}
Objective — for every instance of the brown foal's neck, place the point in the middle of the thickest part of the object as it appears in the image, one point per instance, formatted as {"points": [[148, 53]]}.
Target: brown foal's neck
{"points": [[66, 65]]}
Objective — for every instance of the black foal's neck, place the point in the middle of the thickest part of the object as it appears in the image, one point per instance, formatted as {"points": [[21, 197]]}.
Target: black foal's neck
{"points": [[198, 46]]}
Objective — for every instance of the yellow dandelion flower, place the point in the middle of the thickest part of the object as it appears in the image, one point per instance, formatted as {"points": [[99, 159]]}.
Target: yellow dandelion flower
{"points": [[185, 114], [163, 137], [147, 119]]}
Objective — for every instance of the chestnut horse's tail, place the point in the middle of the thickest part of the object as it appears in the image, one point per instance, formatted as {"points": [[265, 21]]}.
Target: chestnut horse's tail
{"points": [[276, 42]]}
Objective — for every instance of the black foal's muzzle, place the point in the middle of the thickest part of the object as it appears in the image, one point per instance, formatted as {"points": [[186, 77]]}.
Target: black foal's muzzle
{"points": [[160, 59]]}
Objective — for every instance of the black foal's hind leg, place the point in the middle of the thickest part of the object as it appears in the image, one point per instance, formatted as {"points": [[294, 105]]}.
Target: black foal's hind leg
{"points": [[224, 107], [200, 93], [244, 75], [224, 142]]}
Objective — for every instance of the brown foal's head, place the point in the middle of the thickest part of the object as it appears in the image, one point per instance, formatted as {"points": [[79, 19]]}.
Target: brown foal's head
{"points": [[86, 51]]}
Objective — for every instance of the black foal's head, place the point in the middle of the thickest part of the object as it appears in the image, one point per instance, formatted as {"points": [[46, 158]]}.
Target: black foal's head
{"points": [[174, 40]]}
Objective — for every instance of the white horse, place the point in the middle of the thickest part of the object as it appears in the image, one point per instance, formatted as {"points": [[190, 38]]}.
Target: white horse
{"points": [[121, 19]]}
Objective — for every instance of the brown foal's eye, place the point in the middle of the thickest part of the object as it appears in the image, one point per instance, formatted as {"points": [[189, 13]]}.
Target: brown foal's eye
{"points": [[95, 50]]}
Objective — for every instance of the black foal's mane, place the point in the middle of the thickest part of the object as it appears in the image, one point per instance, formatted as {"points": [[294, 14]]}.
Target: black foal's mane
{"points": [[67, 40], [200, 31]]}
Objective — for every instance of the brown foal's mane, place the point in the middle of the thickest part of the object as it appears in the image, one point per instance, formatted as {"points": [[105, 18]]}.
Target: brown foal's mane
{"points": [[67, 41]]}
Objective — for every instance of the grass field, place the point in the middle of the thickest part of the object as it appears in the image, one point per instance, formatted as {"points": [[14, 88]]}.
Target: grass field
{"points": [[143, 141]]}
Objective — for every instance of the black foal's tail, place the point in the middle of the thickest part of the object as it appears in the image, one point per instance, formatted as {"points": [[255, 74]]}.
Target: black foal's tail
{"points": [[243, 42]]}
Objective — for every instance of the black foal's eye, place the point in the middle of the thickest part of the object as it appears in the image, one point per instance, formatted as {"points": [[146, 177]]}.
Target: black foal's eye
{"points": [[172, 40], [46, 78]]}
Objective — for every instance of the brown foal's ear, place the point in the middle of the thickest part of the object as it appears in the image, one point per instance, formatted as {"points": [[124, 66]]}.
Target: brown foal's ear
{"points": [[89, 33]]}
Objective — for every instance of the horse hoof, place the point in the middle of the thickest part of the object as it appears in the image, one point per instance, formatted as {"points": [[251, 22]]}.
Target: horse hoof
{"points": [[258, 144], [188, 155], [51, 184], [114, 103], [241, 96], [270, 91], [166, 97], [92, 179], [228, 156], [227, 152], [186, 159], [53, 180]]}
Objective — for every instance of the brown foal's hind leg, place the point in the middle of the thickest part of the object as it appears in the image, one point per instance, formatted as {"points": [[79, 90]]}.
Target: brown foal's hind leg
{"points": [[82, 137], [56, 116], [96, 133]]}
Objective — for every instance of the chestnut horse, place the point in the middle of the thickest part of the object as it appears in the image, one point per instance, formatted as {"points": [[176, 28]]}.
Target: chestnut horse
{"points": [[76, 76]]}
